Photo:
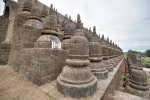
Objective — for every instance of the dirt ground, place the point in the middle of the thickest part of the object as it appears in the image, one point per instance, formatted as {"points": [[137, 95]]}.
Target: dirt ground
{"points": [[14, 86]]}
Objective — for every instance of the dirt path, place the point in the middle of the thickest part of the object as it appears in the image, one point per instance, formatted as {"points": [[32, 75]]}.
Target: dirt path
{"points": [[14, 86], [146, 69], [148, 74]]}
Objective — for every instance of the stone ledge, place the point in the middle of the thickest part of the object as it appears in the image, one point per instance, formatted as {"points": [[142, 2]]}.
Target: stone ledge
{"points": [[118, 95], [105, 87]]}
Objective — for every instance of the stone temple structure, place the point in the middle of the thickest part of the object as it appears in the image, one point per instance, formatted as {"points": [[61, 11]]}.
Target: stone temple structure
{"points": [[47, 47]]}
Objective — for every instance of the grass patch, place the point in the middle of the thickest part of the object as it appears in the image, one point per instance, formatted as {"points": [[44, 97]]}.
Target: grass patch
{"points": [[50, 96], [2, 63], [145, 62], [16, 98], [14, 74], [1, 71], [87, 98], [10, 75], [25, 79]]}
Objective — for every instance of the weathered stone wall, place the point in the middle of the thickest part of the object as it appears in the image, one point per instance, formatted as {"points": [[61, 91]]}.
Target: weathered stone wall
{"points": [[61, 17], [23, 57], [42, 65], [3, 28], [4, 53], [23, 38], [114, 84], [13, 10], [39, 65], [4, 47], [16, 21]]}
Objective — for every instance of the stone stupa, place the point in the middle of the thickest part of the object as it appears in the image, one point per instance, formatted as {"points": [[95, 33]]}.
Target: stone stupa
{"points": [[76, 79], [105, 54], [48, 38], [95, 57], [68, 33], [35, 19]]}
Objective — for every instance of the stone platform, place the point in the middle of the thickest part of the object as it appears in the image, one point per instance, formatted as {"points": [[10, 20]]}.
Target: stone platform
{"points": [[105, 88]]}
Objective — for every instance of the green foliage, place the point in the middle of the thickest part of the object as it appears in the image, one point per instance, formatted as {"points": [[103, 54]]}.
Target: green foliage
{"points": [[147, 53], [143, 54], [145, 57], [145, 62], [133, 52], [50, 96]]}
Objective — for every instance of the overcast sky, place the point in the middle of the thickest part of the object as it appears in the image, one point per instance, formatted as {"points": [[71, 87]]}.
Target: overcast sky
{"points": [[126, 22]]}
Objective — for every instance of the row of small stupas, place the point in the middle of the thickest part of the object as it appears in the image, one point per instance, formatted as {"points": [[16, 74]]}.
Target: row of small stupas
{"points": [[135, 78], [90, 57], [65, 28]]}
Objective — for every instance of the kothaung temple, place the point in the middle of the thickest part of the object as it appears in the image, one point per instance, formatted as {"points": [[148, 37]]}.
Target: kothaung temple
{"points": [[49, 47]]}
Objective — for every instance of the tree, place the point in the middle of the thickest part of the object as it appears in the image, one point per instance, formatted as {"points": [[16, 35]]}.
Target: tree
{"points": [[147, 53], [133, 52]]}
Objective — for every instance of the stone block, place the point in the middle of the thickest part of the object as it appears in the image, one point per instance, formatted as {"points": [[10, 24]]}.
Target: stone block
{"points": [[43, 65], [78, 90]]}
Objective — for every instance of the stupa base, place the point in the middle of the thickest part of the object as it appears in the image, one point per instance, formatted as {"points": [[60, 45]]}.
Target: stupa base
{"points": [[77, 90], [110, 68], [101, 75], [141, 93]]}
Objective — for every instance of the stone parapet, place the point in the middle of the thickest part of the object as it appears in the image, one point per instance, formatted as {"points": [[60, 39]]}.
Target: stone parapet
{"points": [[105, 88], [118, 95]]}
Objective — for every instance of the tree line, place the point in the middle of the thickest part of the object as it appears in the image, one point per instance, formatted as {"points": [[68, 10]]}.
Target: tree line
{"points": [[145, 56]]}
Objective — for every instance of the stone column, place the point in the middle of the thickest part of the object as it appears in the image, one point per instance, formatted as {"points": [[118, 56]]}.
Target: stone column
{"points": [[89, 34], [95, 57], [64, 22], [76, 79], [105, 54], [44, 12], [59, 27], [35, 20], [111, 55], [49, 38], [68, 33]]}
